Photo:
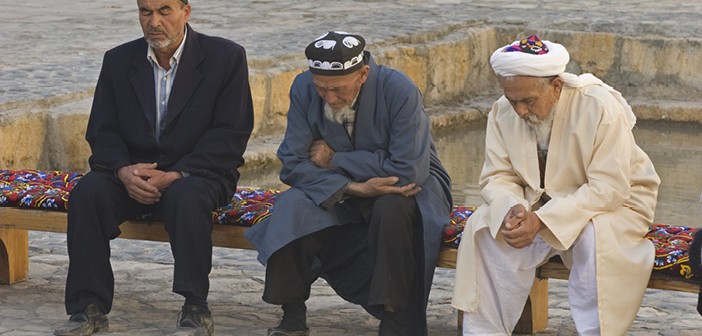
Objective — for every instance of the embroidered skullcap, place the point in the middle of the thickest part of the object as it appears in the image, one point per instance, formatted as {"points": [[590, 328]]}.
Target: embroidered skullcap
{"points": [[530, 57], [335, 53]]}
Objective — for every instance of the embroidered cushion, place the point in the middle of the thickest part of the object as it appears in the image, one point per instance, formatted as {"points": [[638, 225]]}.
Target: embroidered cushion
{"points": [[49, 189], [248, 207], [453, 231], [36, 188], [672, 246]]}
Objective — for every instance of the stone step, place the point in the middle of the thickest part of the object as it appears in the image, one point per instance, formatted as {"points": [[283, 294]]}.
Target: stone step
{"points": [[52, 137], [449, 65]]}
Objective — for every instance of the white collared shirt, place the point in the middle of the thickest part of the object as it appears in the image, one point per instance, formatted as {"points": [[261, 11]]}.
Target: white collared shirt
{"points": [[163, 80]]}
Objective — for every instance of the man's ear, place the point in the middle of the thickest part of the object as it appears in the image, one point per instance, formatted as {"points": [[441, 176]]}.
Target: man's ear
{"points": [[557, 83], [364, 73]]}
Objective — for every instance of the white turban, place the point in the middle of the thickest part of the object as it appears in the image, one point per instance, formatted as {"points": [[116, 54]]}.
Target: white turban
{"points": [[518, 63]]}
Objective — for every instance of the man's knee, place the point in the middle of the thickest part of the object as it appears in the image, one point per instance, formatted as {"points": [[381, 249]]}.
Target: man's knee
{"points": [[395, 213], [395, 205], [584, 248], [191, 191], [586, 239], [94, 186], [98, 204]]}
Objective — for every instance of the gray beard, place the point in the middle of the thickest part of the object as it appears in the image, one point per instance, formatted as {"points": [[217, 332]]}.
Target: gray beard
{"points": [[542, 128], [159, 44], [338, 115]]}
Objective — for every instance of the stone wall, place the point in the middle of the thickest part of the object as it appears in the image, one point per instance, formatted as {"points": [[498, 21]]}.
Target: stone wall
{"points": [[659, 76]]}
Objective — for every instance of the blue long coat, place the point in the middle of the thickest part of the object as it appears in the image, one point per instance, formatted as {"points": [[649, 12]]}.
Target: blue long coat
{"points": [[392, 138]]}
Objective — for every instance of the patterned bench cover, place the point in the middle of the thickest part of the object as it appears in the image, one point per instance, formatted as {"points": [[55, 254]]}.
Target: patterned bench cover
{"points": [[44, 189]]}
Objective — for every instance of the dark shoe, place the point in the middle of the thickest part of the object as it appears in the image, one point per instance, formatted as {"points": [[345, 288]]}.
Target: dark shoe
{"points": [[85, 323], [277, 331], [194, 321]]}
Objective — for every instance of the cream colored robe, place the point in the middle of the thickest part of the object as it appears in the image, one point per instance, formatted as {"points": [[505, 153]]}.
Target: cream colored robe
{"points": [[594, 171]]}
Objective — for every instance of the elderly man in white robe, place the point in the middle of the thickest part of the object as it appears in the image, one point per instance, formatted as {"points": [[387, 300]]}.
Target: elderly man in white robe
{"points": [[562, 176]]}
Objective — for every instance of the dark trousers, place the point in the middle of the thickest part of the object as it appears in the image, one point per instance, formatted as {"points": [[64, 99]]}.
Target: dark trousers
{"points": [[99, 203], [373, 263]]}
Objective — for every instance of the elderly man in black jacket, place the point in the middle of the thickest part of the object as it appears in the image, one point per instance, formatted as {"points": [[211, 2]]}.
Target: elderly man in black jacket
{"points": [[170, 121]]}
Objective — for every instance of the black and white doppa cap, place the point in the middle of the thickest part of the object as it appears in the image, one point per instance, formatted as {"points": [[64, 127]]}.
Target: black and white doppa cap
{"points": [[335, 53]]}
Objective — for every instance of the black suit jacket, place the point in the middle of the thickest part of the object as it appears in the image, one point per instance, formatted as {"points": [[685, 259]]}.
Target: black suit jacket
{"points": [[210, 113]]}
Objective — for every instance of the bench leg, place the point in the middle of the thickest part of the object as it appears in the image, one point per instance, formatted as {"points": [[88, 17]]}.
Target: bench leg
{"points": [[535, 315], [14, 255]]}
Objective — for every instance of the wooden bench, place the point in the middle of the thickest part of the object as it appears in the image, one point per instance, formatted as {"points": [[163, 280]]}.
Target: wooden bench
{"points": [[14, 259]]}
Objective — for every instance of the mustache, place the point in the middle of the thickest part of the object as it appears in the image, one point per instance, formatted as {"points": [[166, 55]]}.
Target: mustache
{"points": [[155, 30]]}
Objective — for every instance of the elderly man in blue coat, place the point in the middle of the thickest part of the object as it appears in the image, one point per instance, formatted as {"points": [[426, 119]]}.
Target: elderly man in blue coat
{"points": [[368, 195]]}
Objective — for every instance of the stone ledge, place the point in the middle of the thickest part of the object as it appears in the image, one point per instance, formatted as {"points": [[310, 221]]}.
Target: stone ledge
{"points": [[449, 65]]}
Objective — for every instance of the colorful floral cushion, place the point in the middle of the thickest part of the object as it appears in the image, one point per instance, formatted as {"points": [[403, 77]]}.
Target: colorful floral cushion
{"points": [[36, 188], [50, 189], [453, 231], [672, 244], [248, 207]]}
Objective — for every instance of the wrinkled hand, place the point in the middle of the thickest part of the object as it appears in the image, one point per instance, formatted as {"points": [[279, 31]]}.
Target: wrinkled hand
{"points": [[135, 179], [519, 227], [378, 186], [321, 154], [161, 179]]}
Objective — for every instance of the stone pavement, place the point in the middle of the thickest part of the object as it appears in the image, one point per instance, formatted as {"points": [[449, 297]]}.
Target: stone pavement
{"points": [[144, 304], [51, 54]]}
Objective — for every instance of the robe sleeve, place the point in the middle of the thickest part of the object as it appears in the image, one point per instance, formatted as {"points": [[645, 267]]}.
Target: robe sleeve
{"points": [[297, 169], [500, 185], [409, 142]]}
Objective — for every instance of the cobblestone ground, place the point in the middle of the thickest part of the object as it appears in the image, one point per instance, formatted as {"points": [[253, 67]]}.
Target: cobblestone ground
{"points": [[144, 304]]}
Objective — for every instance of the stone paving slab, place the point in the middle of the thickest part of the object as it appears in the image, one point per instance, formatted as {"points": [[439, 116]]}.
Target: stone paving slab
{"points": [[144, 304]]}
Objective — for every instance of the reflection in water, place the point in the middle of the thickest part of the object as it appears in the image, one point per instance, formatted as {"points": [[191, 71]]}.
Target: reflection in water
{"points": [[674, 148], [676, 152]]}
